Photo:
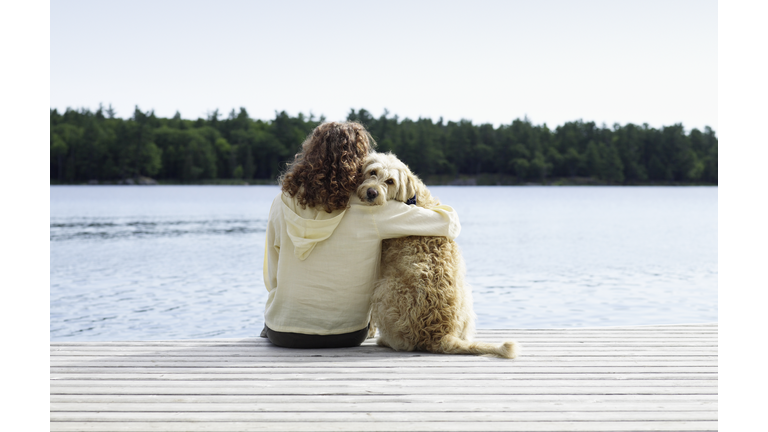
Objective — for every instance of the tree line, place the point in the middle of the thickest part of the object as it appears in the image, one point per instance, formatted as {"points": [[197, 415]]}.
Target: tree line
{"points": [[99, 146]]}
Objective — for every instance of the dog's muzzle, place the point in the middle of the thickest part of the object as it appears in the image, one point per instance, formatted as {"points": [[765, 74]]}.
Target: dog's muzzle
{"points": [[372, 193]]}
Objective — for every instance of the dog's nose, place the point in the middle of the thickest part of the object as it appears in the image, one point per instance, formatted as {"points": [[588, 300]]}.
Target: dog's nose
{"points": [[372, 193]]}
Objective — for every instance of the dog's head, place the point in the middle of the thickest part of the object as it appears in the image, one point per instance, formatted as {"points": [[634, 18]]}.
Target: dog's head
{"points": [[386, 178]]}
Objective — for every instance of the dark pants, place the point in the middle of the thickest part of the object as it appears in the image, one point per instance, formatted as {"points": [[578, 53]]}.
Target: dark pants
{"points": [[300, 340]]}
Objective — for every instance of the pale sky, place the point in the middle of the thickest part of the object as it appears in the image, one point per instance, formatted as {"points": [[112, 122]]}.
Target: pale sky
{"points": [[610, 61]]}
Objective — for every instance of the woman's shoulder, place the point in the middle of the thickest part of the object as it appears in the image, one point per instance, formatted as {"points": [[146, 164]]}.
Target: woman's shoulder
{"points": [[291, 205]]}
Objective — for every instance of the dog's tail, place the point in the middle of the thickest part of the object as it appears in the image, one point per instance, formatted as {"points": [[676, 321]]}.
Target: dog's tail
{"points": [[454, 345]]}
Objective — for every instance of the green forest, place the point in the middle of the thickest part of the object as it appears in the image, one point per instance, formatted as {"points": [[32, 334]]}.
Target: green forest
{"points": [[98, 147]]}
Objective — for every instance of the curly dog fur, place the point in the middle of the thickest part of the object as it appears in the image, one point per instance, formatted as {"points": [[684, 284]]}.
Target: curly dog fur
{"points": [[421, 301]]}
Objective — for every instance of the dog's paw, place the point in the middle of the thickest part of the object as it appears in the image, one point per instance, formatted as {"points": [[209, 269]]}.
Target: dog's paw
{"points": [[371, 331]]}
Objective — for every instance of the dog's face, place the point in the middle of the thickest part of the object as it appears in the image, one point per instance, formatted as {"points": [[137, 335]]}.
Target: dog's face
{"points": [[386, 178]]}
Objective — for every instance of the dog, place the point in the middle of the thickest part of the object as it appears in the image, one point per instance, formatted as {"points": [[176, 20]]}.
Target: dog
{"points": [[421, 302]]}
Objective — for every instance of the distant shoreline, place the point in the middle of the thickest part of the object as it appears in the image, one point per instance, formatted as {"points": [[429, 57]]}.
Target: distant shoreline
{"points": [[435, 180]]}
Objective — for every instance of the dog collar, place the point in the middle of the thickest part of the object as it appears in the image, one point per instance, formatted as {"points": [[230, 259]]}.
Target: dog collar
{"points": [[411, 201]]}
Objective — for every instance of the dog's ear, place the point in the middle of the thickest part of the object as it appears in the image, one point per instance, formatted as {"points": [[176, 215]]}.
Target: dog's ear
{"points": [[402, 186], [408, 185]]}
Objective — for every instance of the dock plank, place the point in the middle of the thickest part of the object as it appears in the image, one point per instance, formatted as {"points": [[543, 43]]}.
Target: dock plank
{"points": [[391, 425], [595, 379]]}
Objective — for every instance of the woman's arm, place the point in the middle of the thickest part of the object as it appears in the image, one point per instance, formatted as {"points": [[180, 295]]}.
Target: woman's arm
{"points": [[271, 249], [396, 219]]}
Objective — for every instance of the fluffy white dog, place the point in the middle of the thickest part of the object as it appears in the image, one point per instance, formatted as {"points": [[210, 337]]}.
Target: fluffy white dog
{"points": [[421, 301]]}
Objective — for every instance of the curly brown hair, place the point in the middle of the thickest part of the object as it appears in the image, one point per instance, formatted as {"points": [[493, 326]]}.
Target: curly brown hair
{"points": [[329, 166]]}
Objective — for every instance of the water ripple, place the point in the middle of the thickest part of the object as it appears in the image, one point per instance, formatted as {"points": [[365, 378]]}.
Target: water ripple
{"points": [[108, 230]]}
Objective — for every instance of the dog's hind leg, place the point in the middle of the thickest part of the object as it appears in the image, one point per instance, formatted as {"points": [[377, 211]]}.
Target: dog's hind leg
{"points": [[381, 342], [453, 345]]}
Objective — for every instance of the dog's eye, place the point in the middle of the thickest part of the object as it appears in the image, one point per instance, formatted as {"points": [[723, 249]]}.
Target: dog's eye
{"points": [[373, 173], [389, 182]]}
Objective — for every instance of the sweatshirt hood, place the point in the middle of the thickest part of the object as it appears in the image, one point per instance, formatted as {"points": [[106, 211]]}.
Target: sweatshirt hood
{"points": [[305, 233]]}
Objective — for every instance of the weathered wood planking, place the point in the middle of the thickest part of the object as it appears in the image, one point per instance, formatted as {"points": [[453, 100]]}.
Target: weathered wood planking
{"points": [[660, 378]]}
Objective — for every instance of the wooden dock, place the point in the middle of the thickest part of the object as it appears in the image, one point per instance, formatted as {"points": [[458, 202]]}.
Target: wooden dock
{"points": [[645, 378]]}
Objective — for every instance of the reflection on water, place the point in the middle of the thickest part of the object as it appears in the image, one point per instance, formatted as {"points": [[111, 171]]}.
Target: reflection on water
{"points": [[185, 261]]}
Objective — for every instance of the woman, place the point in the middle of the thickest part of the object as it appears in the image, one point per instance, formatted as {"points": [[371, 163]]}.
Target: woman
{"points": [[323, 244]]}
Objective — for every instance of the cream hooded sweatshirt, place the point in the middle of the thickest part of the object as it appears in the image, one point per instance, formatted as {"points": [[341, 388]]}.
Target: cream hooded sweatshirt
{"points": [[319, 267]]}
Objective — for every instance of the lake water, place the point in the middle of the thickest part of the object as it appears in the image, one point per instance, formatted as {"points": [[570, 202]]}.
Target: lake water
{"points": [[173, 262]]}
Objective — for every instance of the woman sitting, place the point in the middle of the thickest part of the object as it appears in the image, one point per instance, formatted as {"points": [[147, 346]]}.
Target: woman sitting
{"points": [[323, 244]]}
